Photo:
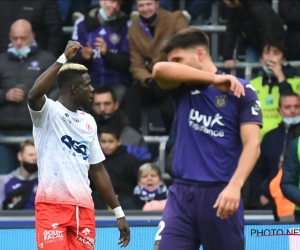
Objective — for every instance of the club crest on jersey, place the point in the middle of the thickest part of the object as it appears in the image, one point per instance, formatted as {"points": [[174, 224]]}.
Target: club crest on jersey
{"points": [[114, 38], [221, 101], [89, 128]]}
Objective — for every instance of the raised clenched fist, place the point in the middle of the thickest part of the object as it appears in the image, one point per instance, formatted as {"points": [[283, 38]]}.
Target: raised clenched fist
{"points": [[72, 48]]}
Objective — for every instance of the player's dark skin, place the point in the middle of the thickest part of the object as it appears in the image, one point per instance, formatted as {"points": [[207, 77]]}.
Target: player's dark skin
{"points": [[77, 95]]}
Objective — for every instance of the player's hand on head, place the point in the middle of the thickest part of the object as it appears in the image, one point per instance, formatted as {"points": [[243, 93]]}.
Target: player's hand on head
{"points": [[229, 83], [124, 232], [228, 201], [72, 48]]}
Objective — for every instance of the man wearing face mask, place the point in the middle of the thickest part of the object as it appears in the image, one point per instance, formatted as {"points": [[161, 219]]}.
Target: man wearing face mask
{"points": [[104, 34], [17, 189], [146, 35], [106, 110], [276, 79], [273, 147], [23, 62]]}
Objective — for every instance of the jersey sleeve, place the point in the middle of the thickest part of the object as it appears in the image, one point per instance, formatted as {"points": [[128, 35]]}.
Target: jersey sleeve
{"points": [[39, 117], [96, 155], [250, 108]]}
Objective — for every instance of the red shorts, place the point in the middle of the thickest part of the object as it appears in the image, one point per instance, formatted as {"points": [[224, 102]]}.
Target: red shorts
{"points": [[64, 227]]}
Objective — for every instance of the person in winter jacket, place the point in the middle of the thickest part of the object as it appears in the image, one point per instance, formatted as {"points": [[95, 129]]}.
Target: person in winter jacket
{"points": [[121, 166], [150, 194], [20, 66]]}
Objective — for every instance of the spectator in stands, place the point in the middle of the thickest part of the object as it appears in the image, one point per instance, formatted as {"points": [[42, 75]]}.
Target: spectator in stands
{"points": [[44, 18], [291, 171], [277, 78], [104, 34], [257, 22], [17, 189], [145, 39], [19, 67], [121, 166], [106, 111], [68, 7], [289, 11], [273, 147], [284, 207], [151, 193]]}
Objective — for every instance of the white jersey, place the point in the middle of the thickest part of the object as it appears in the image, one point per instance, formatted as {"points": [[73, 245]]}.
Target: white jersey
{"points": [[66, 144]]}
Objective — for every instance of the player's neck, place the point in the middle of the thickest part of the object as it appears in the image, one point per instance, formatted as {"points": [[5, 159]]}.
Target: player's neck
{"points": [[209, 67], [68, 103]]}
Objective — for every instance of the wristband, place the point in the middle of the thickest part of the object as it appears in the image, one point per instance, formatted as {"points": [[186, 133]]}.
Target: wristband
{"points": [[62, 59], [118, 212]]}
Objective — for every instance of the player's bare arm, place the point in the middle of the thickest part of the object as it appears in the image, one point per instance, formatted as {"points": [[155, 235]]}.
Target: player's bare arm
{"points": [[170, 75], [36, 96], [103, 184], [228, 200]]}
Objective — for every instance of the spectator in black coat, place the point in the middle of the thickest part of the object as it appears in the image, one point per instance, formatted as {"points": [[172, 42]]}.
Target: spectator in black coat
{"points": [[44, 18], [257, 22]]}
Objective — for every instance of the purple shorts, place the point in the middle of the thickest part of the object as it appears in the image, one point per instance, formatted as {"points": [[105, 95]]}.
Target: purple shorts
{"points": [[189, 220]]}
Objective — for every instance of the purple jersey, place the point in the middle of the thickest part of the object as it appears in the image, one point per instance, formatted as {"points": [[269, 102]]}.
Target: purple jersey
{"points": [[208, 143], [117, 42], [10, 182]]}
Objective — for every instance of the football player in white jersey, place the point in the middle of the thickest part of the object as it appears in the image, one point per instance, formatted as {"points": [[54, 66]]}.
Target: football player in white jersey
{"points": [[68, 152]]}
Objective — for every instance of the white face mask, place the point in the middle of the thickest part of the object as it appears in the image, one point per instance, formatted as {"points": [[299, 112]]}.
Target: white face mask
{"points": [[21, 53], [291, 120]]}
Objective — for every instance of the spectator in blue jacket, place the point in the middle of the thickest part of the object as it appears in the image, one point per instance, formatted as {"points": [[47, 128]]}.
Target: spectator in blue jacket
{"points": [[103, 32]]}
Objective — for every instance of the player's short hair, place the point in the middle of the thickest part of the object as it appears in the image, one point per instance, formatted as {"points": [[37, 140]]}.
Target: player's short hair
{"points": [[147, 167], [110, 129], [278, 45], [105, 89], [186, 39], [289, 93], [26, 143], [70, 73]]}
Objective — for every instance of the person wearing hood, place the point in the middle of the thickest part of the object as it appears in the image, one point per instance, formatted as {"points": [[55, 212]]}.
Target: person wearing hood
{"points": [[273, 148], [103, 31], [18, 189], [276, 79], [146, 36], [105, 110], [23, 62]]}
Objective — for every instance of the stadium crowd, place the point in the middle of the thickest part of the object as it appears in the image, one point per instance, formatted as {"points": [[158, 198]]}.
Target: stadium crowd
{"points": [[121, 42]]}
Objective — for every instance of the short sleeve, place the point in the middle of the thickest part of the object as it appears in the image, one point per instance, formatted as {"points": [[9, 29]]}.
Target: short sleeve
{"points": [[96, 155], [250, 108], [39, 117]]}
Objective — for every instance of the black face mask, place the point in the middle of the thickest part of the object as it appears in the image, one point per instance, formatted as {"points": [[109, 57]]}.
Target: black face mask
{"points": [[30, 167], [149, 20], [103, 119]]}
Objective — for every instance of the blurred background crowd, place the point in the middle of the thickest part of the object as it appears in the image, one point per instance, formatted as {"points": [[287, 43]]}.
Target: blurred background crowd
{"points": [[256, 40]]}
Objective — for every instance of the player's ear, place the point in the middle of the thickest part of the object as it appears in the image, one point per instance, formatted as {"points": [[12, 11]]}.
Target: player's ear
{"points": [[73, 89], [201, 53]]}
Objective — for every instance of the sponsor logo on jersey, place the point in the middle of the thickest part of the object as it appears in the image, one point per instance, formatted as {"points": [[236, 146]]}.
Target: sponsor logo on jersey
{"points": [[79, 149], [207, 124]]}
